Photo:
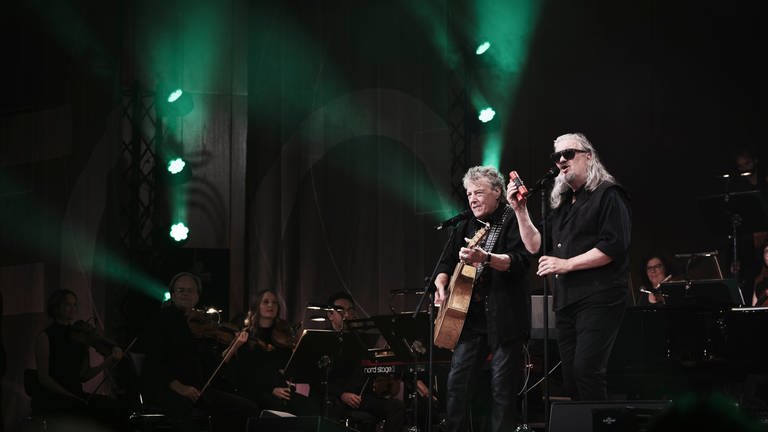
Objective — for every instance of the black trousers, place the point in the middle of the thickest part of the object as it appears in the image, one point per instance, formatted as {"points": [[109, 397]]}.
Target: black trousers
{"points": [[586, 331], [506, 377]]}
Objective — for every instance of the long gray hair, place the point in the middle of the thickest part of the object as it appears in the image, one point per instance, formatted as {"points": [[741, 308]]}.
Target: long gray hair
{"points": [[596, 172]]}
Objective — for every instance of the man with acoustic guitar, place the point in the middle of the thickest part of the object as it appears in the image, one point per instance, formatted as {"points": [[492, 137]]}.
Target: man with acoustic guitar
{"points": [[498, 315]]}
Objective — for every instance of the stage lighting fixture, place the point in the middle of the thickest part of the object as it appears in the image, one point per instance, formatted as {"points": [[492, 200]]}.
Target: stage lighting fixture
{"points": [[482, 48], [176, 165], [179, 232], [486, 114]]}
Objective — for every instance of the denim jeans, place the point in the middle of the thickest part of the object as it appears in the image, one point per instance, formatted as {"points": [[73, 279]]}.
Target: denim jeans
{"points": [[506, 372]]}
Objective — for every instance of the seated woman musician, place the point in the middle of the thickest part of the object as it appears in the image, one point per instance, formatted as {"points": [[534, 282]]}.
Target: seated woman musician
{"points": [[263, 350], [760, 284], [62, 357], [655, 270], [175, 376]]}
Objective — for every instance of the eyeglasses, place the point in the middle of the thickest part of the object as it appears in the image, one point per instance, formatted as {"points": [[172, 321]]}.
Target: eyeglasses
{"points": [[655, 267], [568, 154]]}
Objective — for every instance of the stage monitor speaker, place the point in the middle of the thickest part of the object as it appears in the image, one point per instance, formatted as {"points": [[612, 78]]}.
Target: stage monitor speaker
{"points": [[603, 416], [296, 424]]}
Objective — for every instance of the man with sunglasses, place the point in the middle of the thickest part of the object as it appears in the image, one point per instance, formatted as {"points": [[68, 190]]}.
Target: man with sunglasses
{"points": [[586, 256]]}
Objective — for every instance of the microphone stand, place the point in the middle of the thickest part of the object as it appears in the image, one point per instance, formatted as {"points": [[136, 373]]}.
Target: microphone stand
{"points": [[428, 291]]}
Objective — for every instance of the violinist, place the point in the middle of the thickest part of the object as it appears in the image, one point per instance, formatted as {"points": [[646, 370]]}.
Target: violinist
{"points": [[175, 375], [261, 357], [760, 283], [63, 364]]}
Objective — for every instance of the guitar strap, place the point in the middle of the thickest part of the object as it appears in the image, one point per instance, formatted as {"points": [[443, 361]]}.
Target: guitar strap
{"points": [[493, 235]]}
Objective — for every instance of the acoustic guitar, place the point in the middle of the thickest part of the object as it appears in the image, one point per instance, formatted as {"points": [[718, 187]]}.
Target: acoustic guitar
{"points": [[453, 311]]}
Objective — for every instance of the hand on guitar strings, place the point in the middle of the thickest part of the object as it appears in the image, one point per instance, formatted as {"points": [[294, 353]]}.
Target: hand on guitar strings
{"points": [[473, 256]]}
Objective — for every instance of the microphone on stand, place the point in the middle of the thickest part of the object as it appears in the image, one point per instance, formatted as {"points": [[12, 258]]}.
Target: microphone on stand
{"points": [[454, 220], [324, 307]]}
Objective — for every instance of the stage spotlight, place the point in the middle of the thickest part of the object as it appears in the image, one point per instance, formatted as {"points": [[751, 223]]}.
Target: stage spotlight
{"points": [[179, 232], [173, 101], [482, 48], [176, 166], [166, 296], [486, 114]]}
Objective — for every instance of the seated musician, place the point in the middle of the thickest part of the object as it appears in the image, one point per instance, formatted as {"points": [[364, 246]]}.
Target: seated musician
{"points": [[348, 389], [63, 364], [175, 377], [655, 269], [760, 284], [257, 367]]}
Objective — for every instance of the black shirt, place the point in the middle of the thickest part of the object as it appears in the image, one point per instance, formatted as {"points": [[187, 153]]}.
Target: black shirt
{"points": [[503, 309], [597, 219]]}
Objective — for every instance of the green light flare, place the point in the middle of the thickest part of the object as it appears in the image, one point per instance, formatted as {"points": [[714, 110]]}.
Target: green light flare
{"points": [[179, 231], [492, 146], [175, 95], [482, 48], [486, 114], [176, 166]]}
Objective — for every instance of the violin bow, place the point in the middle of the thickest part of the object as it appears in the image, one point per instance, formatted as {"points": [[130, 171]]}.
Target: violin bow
{"points": [[228, 352], [106, 371]]}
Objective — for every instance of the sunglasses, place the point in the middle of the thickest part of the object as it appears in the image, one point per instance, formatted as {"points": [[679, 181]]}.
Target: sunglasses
{"points": [[568, 154]]}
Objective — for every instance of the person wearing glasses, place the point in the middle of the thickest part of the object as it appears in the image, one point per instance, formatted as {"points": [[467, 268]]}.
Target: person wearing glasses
{"points": [[348, 389], [655, 270], [586, 257], [175, 371]]}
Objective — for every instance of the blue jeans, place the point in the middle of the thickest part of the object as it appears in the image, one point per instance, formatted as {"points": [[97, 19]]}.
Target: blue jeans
{"points": [[506, 373]]}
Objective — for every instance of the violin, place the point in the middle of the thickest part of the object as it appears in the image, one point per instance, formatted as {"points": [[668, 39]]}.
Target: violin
{"points": [[86, 334], [203, 326]]}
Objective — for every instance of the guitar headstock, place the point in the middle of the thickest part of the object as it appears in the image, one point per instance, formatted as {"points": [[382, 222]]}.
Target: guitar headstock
{"points": [[479, 235]]}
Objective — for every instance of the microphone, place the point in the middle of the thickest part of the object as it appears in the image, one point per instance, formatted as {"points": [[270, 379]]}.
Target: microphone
{"points": [[550, 174], [406, 291], [454, 220]]}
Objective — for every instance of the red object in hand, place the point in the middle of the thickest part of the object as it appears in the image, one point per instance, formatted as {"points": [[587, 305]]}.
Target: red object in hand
{"points": [[522, 191]]}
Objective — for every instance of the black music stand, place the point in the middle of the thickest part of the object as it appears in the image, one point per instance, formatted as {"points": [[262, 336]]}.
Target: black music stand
{"points": [[316, 352], [408, 337], [703, 292]]}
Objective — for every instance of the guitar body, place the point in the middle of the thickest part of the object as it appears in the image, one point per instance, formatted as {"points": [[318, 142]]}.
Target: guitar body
{"points": [[453, 312]]}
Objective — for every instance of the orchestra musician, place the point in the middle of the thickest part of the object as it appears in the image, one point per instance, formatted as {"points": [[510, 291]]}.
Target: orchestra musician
{"points": [[348, 388], [760, 284], [174, 375], [62, 356], [588, 262], [498, 319], [655, 269], [257, 367]]}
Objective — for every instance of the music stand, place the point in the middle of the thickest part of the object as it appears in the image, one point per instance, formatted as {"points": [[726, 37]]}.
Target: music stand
{"points": [[704, 292], [750, 205], [408, 337], [318, 350]]}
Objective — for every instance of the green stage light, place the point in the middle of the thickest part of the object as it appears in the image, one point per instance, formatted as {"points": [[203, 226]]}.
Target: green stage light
{"points": [[175, 95], [166, 296], [179, 231], [486, 114], [175, 166], [482, 48]]}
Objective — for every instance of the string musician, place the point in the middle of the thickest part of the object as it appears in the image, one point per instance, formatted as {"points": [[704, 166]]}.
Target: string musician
{"points": [[498, 319], [760, 284], [62, 356], [175, 378], [349, 390], [263, 350]]}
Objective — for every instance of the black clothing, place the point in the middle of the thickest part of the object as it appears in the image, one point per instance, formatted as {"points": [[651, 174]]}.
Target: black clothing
{"points": [[174, 354], [598, 219], [507, 303], [589, 304], [498, 322], [65, 358]]}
